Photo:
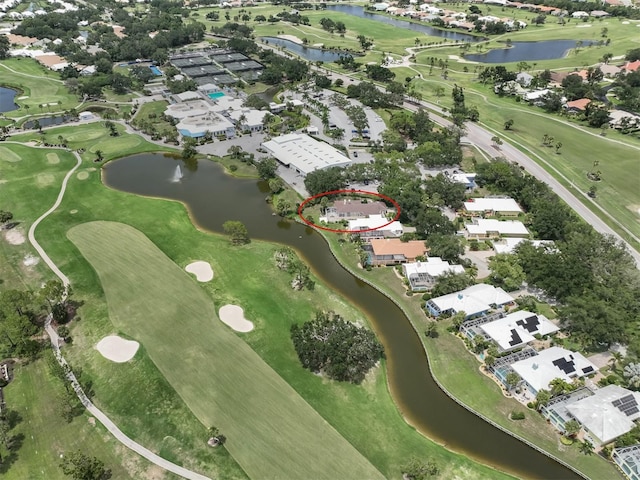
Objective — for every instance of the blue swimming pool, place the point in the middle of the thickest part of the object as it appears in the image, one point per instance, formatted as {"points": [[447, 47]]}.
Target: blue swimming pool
{"points": [[216, 95], [155, 70]]}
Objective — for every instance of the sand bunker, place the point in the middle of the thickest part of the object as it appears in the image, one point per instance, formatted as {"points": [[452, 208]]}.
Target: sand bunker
{"points": [[202, 271], [53, 158], [14, 237], [233, 316], [117, 349], [83, 175], [30, 260], [73, 212], [292, 38]]}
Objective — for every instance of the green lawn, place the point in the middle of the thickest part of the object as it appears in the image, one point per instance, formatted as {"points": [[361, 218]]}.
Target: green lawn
{"points": [[149, 118], [38, 172], [45, 435], [272, 431], [38, 84]]}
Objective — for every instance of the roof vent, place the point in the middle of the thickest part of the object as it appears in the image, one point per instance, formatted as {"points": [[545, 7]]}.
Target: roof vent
{"points": [[460, 296], [534, 366]]}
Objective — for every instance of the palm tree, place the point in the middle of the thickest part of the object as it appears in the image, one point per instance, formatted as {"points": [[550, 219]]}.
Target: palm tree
{"points": [[616, 358], [99, 156], [586, 447]]}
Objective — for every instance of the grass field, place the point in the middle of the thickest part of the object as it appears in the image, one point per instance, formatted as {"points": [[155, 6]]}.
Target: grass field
{"points": [[38, 84], [272, 432], [459, 372], [45, 436]]}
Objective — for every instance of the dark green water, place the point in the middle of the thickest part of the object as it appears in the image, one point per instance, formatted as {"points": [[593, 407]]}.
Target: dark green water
{"points": [[213, 198]]}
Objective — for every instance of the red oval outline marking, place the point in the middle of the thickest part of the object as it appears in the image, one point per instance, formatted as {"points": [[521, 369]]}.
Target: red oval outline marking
{"points": [[333, 192]]}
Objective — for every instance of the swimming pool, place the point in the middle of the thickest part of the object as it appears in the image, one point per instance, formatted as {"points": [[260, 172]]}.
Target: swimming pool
{"points": [[215, 95], [155, 70]]}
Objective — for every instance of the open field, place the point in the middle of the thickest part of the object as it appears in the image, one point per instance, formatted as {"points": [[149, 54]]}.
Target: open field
{"points": [[459, 372], [238, 392], [40, 85]]}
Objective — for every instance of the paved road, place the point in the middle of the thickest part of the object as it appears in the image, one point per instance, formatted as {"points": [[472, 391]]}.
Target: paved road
{"points": [[481, 137], [55, 343]]}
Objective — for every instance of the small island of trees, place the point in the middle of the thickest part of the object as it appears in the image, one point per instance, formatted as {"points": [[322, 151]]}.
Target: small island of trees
{"points": [[335, 347]]}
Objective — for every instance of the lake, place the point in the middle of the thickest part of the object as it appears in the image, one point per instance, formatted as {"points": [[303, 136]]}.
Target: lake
{"points": [[308, 53], [417, 396], [7, 100], [416, 27], [527, 52]]}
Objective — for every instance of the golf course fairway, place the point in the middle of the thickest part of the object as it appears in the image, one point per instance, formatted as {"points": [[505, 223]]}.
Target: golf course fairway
{"points": [[272, 431]]}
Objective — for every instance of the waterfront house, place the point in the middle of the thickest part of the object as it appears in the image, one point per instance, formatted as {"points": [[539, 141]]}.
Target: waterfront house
{"points": [[352, 209], [393, 251]]}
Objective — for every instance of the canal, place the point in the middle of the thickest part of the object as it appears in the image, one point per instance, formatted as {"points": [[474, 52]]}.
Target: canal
{"points": [[205, 186]]}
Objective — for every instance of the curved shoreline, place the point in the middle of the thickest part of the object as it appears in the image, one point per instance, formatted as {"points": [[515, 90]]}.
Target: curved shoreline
{"points": [[437, 381]]}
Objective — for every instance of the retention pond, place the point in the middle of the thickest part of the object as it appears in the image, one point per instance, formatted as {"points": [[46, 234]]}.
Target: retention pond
{"points": [[213, 198]]}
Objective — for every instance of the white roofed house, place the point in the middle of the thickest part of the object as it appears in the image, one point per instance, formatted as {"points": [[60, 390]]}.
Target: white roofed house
{"points": [[608, 414], [554, 362], [375, 226], [490, 206], [474, 301], [517, 329], [482, 228], [423, 275]]}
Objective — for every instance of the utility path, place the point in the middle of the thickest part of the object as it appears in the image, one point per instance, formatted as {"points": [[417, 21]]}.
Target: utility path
{"points": [[55, 343]]}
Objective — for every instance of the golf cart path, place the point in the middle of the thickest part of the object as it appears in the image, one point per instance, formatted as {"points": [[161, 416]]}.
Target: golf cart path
{"points": [[95, 411]]}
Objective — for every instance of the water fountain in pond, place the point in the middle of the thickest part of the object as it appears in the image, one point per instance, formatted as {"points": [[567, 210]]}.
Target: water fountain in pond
{"points": [[177, 175]]}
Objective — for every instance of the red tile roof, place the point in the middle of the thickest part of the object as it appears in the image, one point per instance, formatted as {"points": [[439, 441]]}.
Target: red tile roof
{"points": [[579, 104], [631, 66]]}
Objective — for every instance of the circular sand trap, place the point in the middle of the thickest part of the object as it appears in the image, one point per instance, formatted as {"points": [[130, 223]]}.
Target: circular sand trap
{"points": [[202, 271], [117, 349], [30, 260], [83, 175], [73, 212], [53, 158], [233, 316], [625, 23], [14, 237]]}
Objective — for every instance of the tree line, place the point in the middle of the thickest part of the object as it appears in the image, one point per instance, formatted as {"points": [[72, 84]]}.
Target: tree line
{"points": [[591, 275]]}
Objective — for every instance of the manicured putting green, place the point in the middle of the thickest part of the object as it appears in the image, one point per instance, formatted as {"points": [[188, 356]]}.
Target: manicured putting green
{"points": [[9, 155], [272, 432], [117, 144]]}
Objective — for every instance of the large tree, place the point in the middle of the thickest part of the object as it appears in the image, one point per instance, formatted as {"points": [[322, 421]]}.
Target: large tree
{"points": [[83, 467], [237, 231], [340, 349], [324, 180], [506, 272]]}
